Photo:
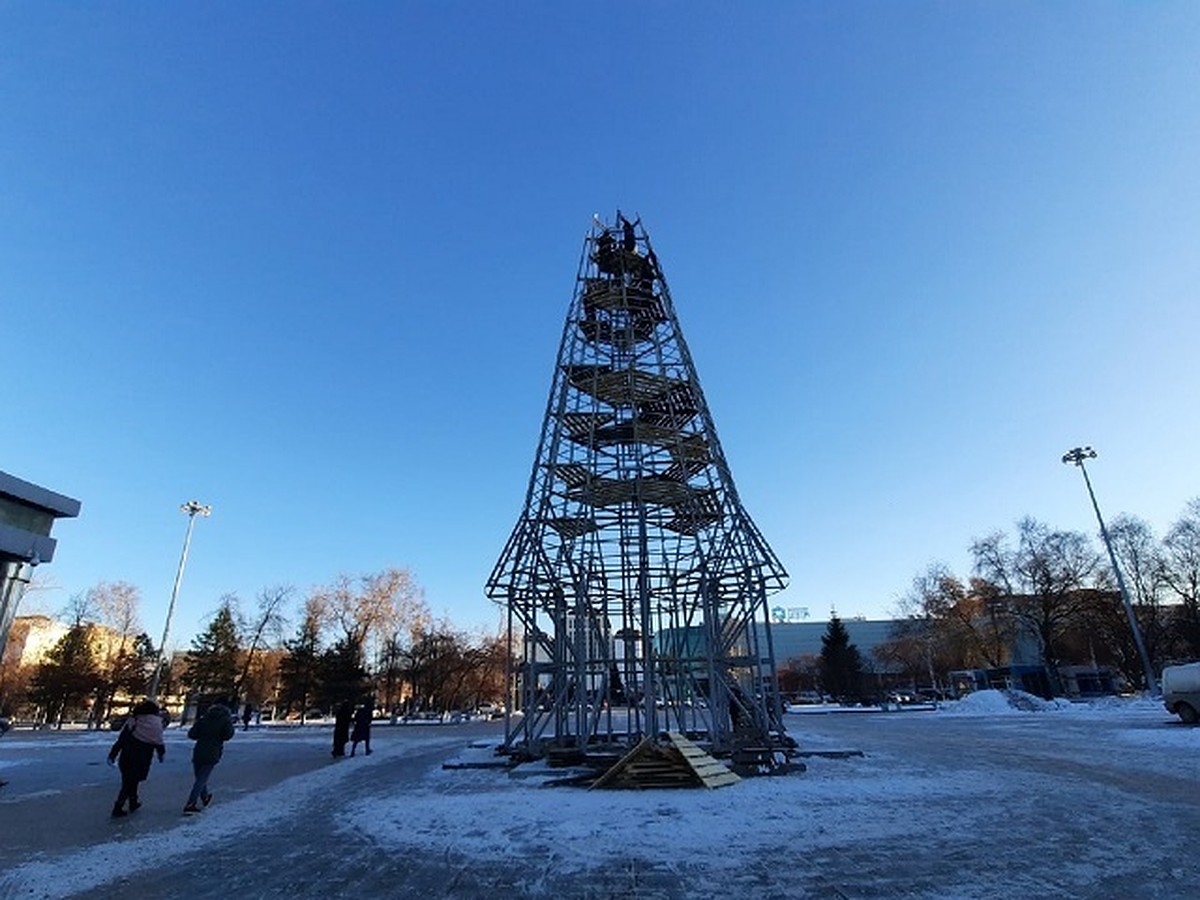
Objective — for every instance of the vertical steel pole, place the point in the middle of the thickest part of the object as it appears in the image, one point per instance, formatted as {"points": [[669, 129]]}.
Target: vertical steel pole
{"points": [[191, 508], [1151, 684]]}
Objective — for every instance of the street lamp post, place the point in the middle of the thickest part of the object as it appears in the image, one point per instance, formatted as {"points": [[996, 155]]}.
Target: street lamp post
{"points": [[192, 508], [1076, 457]]}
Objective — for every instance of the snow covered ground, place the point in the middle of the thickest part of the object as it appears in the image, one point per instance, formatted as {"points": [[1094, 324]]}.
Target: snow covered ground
{"points": [[978, 799]]}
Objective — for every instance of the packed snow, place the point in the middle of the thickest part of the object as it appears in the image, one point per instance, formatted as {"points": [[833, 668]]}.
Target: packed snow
{"points": [[491, 814]]}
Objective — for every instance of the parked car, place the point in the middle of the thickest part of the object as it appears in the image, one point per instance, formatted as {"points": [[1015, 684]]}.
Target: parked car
{"points": [[797, 703], [1181, 691]]}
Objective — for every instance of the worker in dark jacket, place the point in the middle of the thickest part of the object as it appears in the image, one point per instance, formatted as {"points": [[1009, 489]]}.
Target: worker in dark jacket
{"points": [[140, 738], [342, 718], [210, 734], [362, 728]]}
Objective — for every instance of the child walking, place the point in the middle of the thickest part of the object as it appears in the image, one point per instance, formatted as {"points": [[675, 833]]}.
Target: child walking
{"points": [[210, 734]]}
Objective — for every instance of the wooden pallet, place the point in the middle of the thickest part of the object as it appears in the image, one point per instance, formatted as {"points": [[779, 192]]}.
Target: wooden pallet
{"points": [[678, 764], [711, 772]]}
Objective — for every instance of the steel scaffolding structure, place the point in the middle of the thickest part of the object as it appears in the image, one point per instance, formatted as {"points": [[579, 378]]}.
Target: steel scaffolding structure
{"points": [[634, 579]]}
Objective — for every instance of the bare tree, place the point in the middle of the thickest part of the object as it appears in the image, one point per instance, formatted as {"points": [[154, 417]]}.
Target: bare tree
{"points": [[1181, 574], [486, 660], [374, 609], [407, 618], [265, 629], [261, 685], [1043, 580], [36, 600], [439, 668], [1141, 559], [1102, 636], [953, 625], [114, 606]]}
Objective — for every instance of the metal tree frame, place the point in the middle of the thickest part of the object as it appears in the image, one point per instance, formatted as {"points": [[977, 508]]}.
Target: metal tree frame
{"points": [[636, 583]]}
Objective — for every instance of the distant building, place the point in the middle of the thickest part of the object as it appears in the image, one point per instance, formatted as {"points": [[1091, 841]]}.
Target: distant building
{"points": [[27, 513], [795, 639], [30, 639], [1024, 671]]}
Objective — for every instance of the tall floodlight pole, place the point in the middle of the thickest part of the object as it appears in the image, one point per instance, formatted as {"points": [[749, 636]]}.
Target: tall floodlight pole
{"points": [[192, 508], [1076, 457]]}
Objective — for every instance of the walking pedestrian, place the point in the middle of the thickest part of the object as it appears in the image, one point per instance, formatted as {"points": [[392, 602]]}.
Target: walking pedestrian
{"points": [[210, 734], [4, 726], [141, 737], [341, 727], [362, 728]]}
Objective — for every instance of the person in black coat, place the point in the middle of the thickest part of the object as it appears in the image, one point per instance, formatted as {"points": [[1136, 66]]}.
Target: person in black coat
{"points": [[140, 738], [341, 727], [362, 729]]}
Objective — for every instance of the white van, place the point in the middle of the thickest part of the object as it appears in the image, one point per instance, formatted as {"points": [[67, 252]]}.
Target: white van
{"points": [[1181, 691]]}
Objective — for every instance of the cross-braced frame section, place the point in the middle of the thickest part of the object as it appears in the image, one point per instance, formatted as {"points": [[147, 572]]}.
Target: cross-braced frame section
{"points": [[635, 582]]}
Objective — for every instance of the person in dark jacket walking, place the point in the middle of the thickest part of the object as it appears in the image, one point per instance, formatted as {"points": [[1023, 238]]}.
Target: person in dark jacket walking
{"points": [[362, 729], [140, 738], [210, 734], [341, 727]]}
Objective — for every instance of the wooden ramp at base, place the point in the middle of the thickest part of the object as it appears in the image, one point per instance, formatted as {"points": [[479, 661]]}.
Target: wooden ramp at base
{"points": [[711, 772], [678, 764]]}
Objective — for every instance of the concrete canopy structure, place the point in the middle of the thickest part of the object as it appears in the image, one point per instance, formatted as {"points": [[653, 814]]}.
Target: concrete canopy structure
{"points": [[636, 583], [27, 513]]}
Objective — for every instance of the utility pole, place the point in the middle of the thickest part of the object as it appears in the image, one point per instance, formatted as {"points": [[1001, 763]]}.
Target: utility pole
{"points": [[192, 508], [1076, 457]]}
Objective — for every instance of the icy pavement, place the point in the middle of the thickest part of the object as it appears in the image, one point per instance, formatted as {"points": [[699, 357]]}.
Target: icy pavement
{"points": [[978, 800]]}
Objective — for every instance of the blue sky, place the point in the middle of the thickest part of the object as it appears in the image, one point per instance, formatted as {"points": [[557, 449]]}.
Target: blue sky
{"points": [[309, 263]]}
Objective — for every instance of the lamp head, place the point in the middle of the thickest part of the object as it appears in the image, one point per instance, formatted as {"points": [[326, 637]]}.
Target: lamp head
{"points": [[1078, 455]]}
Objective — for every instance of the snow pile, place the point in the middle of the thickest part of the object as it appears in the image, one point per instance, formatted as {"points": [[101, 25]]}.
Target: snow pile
{"points": [[1002, 703], [1034, 703], [1126, 704]]}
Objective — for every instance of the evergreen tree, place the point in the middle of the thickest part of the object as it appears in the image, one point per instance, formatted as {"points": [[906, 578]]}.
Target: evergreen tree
{"points": [[840, 663], [342, 676], [132, 668], [299, 670], [212, 663], [68, 675]]}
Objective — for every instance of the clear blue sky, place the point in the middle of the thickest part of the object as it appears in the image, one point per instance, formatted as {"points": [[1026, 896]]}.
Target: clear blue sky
{"points": [[309, 263]]}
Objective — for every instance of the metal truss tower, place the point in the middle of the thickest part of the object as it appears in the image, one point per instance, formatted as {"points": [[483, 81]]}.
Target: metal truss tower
{"points": [[635, 581]]}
